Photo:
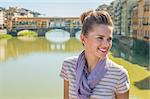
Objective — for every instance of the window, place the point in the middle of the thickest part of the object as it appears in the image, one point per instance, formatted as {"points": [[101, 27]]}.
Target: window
{"points": [[147, 6]]}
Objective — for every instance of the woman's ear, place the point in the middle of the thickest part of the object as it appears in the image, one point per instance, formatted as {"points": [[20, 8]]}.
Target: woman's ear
{"points": [[82, 38]]}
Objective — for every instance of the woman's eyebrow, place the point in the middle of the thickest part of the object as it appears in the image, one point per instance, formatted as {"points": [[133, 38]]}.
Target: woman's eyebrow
{"points": [[100, 35], [103, 36]]}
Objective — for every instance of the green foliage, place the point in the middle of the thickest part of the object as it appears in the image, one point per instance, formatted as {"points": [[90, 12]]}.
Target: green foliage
{"points": [[5, 36]]}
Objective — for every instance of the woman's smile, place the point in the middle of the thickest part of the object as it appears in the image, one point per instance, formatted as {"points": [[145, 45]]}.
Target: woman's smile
{"points": [[102, 50]]}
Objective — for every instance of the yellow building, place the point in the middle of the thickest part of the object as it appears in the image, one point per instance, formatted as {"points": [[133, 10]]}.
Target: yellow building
{"points": [[30, 23], [134, 21], [143, 31], [2, 18]]}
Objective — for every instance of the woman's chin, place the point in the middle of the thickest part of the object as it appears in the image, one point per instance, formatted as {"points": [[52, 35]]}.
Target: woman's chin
{"points": [[102, 55]]}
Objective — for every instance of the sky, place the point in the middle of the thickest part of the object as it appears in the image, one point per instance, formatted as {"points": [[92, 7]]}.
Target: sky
{"points": [[56, 8]]}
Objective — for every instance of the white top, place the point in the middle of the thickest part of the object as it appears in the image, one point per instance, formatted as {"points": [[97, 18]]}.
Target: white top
{"points": [[116, 80]]}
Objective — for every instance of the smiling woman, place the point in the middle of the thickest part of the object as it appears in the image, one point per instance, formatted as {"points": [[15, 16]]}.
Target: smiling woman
{"points": [[92, 74]]}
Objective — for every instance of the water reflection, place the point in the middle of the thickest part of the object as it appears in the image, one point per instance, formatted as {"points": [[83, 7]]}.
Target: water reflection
{"points": [[26, 38], [3, 44], [135, 51], [78, 35], [57, 36], [143, 84], [15, 47]]}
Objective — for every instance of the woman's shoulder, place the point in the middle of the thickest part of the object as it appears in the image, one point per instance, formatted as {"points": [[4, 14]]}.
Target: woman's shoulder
{"points": [[68, 68], [69, 61], [116, 67]]}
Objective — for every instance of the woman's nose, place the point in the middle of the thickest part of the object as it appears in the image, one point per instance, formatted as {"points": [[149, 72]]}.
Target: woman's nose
{"points": [[106, 43]]}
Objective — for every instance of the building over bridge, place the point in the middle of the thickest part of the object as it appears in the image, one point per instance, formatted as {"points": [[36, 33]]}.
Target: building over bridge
{"points": [[43, 25]]}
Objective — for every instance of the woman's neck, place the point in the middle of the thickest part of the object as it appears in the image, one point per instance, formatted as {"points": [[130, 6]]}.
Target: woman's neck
{"points": [[91, 61]]}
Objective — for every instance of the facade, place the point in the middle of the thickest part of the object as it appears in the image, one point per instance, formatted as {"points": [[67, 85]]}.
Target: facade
{"points": [[117, 17], [110, 10], [14, 12], [123, 9], [131, 4], [2, 18], [42, 23], [29, 23], [122, 16], [134, 21], [141, 20], [143, 31], [131, 18], [65, 22], [20, 12]]}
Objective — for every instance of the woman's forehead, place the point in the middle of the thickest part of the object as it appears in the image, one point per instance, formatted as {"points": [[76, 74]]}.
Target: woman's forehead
{"points": [[101, 29]]}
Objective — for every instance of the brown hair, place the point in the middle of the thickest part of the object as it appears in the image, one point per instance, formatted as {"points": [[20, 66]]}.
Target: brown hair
{"points": [[90, 18]]}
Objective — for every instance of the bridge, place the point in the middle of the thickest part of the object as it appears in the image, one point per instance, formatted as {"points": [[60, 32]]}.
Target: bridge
{"points": [[43, 25]]}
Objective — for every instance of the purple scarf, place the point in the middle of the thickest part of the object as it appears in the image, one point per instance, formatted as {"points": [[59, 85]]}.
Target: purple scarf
{"points": [[86, 82]]}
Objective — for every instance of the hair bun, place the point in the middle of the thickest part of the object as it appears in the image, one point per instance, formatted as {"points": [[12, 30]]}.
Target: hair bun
{"points": [[84, 15]]}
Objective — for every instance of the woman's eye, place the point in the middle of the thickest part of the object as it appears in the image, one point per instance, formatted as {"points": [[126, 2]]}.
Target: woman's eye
{"points": [[110, 39], [99, 38]]}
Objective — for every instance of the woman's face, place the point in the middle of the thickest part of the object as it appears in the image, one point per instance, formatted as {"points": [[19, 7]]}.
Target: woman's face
{"points": [[98, 41]]}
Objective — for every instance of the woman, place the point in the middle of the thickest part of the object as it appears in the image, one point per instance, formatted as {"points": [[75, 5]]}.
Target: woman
{"points": [[92, 75]]}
